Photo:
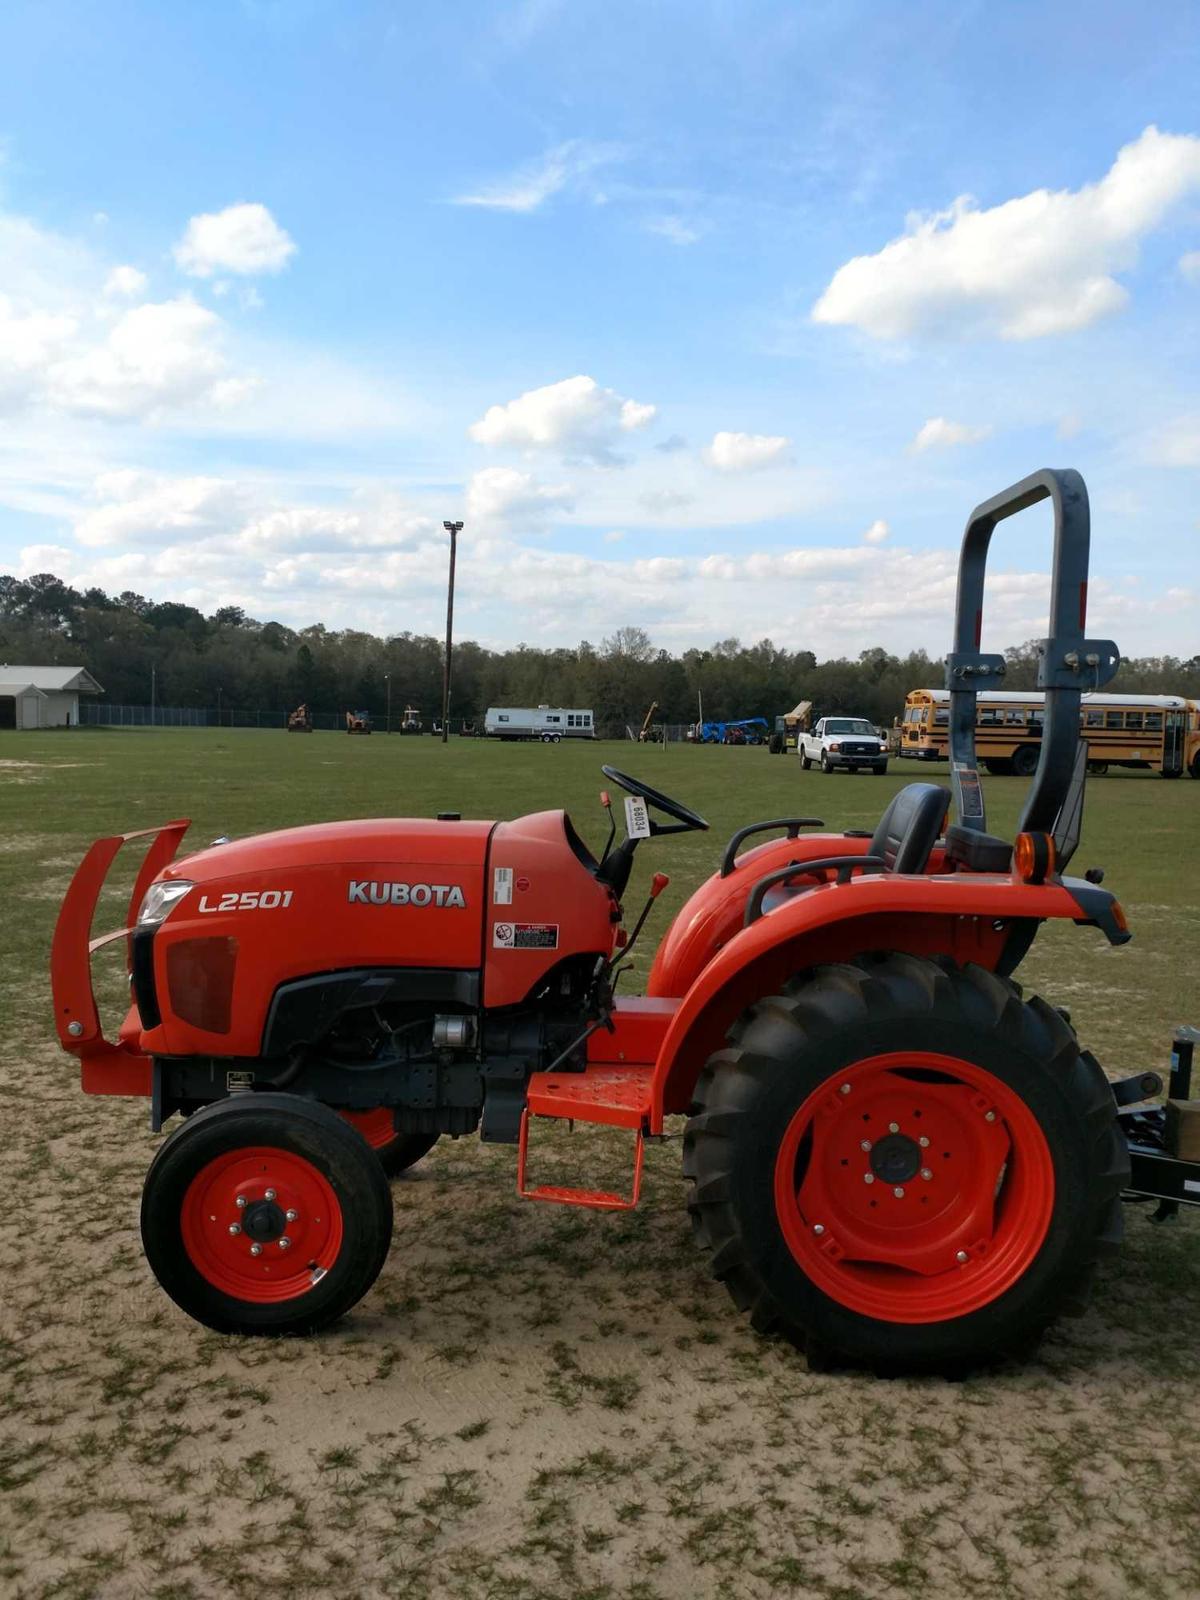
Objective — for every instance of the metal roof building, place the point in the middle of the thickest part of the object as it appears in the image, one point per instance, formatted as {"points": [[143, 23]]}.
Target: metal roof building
{"points": [[42, 697]]}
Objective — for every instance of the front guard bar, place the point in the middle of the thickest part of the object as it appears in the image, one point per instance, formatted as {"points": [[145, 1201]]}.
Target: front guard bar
{"points": [[76, 1016]]}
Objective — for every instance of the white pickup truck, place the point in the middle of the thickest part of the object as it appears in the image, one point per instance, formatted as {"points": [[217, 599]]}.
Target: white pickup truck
{"points": [[851, 742]]}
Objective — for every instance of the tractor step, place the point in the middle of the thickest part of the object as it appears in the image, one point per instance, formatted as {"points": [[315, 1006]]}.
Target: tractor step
{"points": [[608, 1096], [618, 1096]]}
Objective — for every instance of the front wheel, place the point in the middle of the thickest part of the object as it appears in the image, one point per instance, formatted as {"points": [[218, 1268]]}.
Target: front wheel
{"points": [[880, 768], [826, 765], [901, 1164], [266, 1213]]}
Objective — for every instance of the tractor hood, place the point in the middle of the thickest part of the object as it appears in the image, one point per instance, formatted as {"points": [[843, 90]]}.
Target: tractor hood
{"points": [[413, 841]]}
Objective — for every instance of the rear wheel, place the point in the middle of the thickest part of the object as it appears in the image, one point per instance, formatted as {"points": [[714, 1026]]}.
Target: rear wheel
{"points": [[266, 1213], [1097, 768], [805, 763], [1025, 759], [396, 1151], [901, 1164]]}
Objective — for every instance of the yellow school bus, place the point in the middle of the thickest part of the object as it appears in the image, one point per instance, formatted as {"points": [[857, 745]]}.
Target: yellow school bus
{"points": [[1121, 730]]}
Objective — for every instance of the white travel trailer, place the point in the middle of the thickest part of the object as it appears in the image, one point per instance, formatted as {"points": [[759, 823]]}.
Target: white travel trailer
{"points": [[547, 723]]}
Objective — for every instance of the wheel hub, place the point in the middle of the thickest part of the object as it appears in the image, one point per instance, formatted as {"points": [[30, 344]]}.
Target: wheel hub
{"points": [[896, 1158], [263, 1221]]}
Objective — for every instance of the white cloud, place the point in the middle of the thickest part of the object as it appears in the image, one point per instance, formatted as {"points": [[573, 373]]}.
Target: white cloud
{"points": [[576, 417], [125, 283], [1039, 264], [614, 536], [1069, 425], [877, 532], [1177, 444], [28, 343], [505, 495], [939, 433], [533, 184], [746, 452], [144, 508], [156, 356], [676, 229], [1189, 266], [242, 239]]}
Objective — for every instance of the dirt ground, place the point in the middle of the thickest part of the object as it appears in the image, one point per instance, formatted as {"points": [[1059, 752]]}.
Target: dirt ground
{"points": [[536, 1403]]}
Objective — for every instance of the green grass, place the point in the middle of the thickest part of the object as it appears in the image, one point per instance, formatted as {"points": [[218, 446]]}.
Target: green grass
{"points": [[534, 1401]]}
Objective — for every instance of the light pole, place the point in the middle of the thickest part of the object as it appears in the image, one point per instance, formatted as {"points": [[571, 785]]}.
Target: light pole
{"points": [[153, 690], [218, 705], [453, 529], [387, 679]]}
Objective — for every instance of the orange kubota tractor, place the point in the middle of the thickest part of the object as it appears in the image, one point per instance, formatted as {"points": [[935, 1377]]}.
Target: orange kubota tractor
{"points": [[893, 1156]]}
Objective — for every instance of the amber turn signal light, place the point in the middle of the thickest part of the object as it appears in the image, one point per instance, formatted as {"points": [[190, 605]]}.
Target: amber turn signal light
{"points": [[1033, 857]]}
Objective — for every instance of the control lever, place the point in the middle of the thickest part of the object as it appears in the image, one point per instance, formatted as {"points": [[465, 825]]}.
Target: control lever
{"points": [[657, 884], [606, 802]]}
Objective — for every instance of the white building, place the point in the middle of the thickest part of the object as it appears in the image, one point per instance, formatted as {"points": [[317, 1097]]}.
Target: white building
{"points": [[42, 697]]}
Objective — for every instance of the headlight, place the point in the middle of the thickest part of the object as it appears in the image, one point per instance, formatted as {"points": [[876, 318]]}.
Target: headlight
{"points": [[159, 900], [834, 747]]}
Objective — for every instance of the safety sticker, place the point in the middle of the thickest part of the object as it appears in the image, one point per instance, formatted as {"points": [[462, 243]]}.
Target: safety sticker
{"points": [[525, 935], [502, 886], [970, 794]]}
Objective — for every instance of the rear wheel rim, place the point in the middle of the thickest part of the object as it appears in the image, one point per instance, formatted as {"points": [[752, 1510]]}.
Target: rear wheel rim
{"points": [[903, 1230], [261, 1196]]}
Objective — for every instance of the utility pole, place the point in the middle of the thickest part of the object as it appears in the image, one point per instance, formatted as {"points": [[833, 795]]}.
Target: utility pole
{"points": [[153, 690], [218, 705], [387, 678], [453, 529]]}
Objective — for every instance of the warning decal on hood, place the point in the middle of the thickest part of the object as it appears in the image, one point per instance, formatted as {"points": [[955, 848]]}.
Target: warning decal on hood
{"points": [[525, 935]]}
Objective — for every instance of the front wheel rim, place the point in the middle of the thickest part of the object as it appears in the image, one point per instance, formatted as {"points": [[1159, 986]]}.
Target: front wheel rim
{"points": [[378, 1126], [914, 1187], [261, 1224]]}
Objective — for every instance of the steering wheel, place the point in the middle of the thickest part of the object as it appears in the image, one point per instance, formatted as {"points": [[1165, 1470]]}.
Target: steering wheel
{"points": [[685, 821]]}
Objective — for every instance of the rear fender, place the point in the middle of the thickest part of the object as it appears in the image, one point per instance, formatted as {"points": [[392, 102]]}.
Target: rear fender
{"points": [[713, 915], [954, 915]]}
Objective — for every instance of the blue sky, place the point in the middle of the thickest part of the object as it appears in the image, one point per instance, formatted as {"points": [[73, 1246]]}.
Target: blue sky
{"points": [[713, 318]]}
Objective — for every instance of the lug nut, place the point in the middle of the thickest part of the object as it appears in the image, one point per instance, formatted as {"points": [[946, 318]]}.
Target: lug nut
{"points": [[893, 1127], [292, 1215], [270, 1194], [962, 1256], [923, 1142], [926, 1174], [899, 1193], [845, 1089], [868, 1177], [235, 1227], [74, 1029], [818, 1227], [865, 1145], [256, 1249], [241, 1202], [284, 1242], [989, 1116]]}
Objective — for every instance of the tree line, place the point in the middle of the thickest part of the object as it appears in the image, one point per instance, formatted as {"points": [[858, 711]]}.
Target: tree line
{"points": [[234, 660]]}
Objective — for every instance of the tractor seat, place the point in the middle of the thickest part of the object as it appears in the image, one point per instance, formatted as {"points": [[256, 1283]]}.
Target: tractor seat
{"points": [[903, 842], [909, 828]]}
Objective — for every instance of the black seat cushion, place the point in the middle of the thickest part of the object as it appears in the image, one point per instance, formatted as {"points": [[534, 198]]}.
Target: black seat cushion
{"points": [[909, 828]]}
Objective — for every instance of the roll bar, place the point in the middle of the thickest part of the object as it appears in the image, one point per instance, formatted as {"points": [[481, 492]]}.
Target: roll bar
{"points": [[1068, 662]]}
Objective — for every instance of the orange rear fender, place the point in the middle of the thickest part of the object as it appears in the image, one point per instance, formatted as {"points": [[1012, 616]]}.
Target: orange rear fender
{"points": [[954, 915]]}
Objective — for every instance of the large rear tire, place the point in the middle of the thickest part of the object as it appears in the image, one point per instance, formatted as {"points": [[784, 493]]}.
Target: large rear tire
{"points": [[901, 1164], [266, 1213], [1025, 760]]}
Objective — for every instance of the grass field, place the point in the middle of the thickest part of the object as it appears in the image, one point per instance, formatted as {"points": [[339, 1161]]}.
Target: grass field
{"points": [[537, 1403]]}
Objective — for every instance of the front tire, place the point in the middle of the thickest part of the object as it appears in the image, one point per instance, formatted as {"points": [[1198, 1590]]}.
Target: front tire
{"points": [[826, 765], [238, 1179], [854, 1253]]}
